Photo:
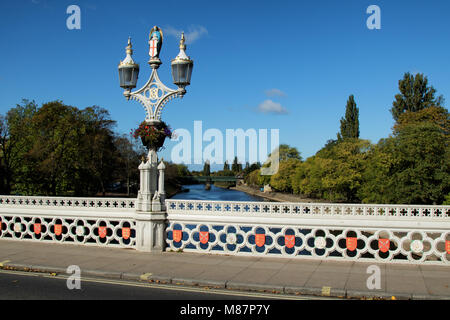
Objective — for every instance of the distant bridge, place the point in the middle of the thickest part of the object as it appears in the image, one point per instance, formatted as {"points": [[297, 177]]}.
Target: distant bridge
{"points": [[211, 178]]}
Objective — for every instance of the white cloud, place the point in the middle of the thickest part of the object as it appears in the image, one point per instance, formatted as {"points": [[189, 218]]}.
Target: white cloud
{"points": [[193, 33], [268, 106], [275, 93]]}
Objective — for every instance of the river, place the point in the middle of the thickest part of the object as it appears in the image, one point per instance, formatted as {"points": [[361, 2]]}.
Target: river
{"points": [[198, 192]]}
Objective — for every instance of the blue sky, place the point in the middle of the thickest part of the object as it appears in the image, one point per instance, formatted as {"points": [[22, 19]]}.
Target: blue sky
{"points": [[306, 57]]}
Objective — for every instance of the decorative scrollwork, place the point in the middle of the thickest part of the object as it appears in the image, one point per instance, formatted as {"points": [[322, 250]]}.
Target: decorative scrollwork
{"points": [[153, 96]]}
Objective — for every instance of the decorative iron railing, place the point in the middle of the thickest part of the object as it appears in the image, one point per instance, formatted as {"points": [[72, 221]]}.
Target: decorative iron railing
{"points": [[30, 201], [87, 221], [378, 233], [308, 210]]}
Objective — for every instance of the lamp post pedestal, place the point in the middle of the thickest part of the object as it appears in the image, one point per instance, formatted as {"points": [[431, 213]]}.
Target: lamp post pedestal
{"points": [[150, 231], [150, 208]]}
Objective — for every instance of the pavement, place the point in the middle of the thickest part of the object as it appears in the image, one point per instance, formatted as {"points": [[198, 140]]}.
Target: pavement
{"points": [[259, 274]]}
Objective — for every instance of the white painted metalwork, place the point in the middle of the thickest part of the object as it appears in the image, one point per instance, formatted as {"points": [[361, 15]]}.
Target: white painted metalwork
{"points": [[69, 202], [384, 233], [377, 233], [105, 227], [309, 209], [154, 95]]}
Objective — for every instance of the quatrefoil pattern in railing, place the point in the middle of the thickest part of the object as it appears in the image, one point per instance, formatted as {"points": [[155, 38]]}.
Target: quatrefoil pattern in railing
{"points": [[402, 246], [86, 231]]}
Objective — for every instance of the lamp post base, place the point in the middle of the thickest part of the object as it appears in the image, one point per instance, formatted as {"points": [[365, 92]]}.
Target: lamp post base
{"points": [[150, 231]]}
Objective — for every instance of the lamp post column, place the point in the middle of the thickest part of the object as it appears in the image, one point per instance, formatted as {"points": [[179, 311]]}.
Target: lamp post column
{"points": [[150, 209]]}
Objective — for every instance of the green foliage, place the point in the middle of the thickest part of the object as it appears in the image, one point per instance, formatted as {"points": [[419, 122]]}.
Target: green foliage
{"points": [[335, 172], [350, 124], [282, 180], [16, 142], [412, 167], [224, 173], [286, 152], [236, 167], [415, 95], [254, 178], [61, 150], [207, 169], [434, 115], [447, 200]]}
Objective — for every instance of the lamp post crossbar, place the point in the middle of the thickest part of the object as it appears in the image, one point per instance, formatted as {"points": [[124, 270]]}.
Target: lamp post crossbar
{"points": [[153, 96]]}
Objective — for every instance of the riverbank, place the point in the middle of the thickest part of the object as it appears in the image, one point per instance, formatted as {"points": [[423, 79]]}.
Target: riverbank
{"points": [[275, 196]]}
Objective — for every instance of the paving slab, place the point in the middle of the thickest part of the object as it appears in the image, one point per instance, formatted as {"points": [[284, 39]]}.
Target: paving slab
{"points": [[254, 275], [221, 273], [327, 279]]}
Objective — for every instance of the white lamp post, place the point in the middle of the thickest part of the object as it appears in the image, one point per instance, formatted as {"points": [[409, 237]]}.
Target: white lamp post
{"points": [[153, 96]]}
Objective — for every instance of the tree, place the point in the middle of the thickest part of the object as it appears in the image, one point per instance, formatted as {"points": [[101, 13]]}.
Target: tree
{"points": [[127, 162], [15, 142], [350, 124], [286, 152], [58, 149], [226, 166], [415, 95], [236, 167], [254, 178], [52, 160], [334, 173], [433, 114], [100, 151], [282, 180], [207, 169], [413, 165]]}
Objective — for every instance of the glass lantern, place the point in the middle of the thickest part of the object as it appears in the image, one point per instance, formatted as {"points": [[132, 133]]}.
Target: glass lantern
{"points": [[182, 67], [128, 70], [128, 75]]}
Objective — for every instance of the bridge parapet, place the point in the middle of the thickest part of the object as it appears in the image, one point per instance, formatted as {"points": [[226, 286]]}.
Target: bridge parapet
{"points": [[83, 221], [371, 233], [355, 232]]}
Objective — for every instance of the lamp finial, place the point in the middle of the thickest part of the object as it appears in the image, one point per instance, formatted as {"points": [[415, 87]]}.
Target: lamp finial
{"points": [[182, 42], [128, 47]]}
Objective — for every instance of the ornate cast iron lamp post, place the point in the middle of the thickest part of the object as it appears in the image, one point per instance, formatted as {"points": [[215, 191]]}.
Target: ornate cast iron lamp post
{"points": [[153, 96]]}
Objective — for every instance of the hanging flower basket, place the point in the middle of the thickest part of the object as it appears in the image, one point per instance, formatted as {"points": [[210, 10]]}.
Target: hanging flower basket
{"points": [[153, 135]]}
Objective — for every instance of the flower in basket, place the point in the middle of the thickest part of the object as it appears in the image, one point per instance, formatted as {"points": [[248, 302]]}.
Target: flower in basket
{"points": [[153, 135]]}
